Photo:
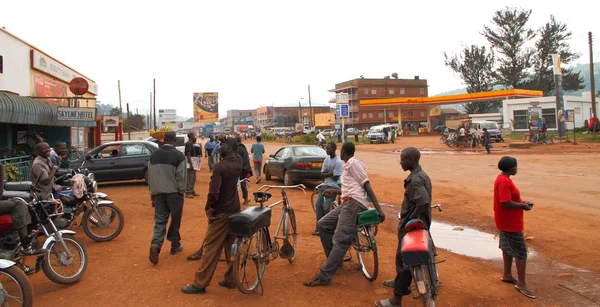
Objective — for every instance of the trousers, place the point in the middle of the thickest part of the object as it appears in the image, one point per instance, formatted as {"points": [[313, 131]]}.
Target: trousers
{"points": [[215, 240], [165, 205]]}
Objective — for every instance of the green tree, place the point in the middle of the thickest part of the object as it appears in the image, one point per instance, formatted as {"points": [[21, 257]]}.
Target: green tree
{"points": [[508, 35], [475, 66], [115, 112], [137, 123], [553, 38]]}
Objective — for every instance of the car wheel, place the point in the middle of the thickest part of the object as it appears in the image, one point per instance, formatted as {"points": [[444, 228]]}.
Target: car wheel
{"points": [[266, 172], [286, 178]]}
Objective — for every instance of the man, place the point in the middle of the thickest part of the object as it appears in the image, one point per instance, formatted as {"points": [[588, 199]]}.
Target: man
{"points": [[190, 152], [246, 169], [20, 219], [167, 183], [223, 200], [356, 135], [331, 172], [215, 152], [42, 172], [416, 205], [321, 139], [208, 153], [257, 150], [338, 228], [58, 155], [486, 140]]}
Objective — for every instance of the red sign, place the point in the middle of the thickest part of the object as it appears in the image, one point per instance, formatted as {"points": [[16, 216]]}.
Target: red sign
{"points": [[45, 87], [79, 86]]}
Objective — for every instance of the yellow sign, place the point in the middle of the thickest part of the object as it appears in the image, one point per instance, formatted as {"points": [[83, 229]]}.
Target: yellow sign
{"points": [[435, 111], [206, 107]]}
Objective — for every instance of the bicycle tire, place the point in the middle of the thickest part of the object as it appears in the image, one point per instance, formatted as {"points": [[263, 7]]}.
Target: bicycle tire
{"points": [[291, 218], [244, 245], [367, 244]]}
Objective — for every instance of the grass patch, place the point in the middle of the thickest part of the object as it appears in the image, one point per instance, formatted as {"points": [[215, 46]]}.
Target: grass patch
{"points": [[580, 137]]}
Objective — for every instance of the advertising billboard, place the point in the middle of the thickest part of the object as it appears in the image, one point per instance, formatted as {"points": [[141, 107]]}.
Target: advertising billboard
{"points": [[46, 87], [206, 107]]}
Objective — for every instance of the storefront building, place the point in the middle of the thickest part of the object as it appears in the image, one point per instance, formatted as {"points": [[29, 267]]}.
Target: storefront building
{"points": [[35, 100]]}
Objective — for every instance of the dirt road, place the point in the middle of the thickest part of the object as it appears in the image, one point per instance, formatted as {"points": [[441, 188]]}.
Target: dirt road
{"points": [[563, 272]]}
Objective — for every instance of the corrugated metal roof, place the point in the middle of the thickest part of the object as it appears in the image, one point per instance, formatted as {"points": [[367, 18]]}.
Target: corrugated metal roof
{"points": [[16, 109]]}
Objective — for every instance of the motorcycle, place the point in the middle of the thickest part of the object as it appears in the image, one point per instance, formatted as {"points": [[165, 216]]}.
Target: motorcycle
{"points": [[15, 287], [419, 254], [65, 261], [99, 214]]}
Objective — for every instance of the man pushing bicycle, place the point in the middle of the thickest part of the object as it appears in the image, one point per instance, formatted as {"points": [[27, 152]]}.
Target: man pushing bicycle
{"points": [[338, 228]]}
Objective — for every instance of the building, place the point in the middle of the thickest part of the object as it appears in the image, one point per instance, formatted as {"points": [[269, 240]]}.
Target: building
{"points": [[366, 89], [263, 117], [237, 118], [325, 120], [35, 100], [515, 111]]}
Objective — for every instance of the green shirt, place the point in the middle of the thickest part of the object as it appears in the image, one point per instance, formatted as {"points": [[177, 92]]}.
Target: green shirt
{"points": [[257, 151]]}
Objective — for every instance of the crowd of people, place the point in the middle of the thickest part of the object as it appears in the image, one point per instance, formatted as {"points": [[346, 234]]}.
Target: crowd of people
{"points": [[343, 175]]}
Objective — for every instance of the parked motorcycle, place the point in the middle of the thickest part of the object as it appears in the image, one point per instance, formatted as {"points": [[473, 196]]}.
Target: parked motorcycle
{"points": [[102, 221], [15, 287], [66, 259]]}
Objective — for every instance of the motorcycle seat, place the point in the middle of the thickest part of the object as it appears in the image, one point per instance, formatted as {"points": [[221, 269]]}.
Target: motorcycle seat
{"points": [[18, 186], [416, 248], [26, 196]]}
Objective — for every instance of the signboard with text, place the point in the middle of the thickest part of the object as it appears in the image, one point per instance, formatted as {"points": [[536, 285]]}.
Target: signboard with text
{"points": [[341, 110], [83, 114], [46, 87], [110, 121], [342, 98], [206, 107], [54, 68]]}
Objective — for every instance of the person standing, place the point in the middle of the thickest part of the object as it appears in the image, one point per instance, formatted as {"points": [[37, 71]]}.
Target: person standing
{"points": [[257, 150], [167, 184], [190, 152], [246, 168], [209, 147], [223, 201], [59, 155], [42, 173], [486, 140], [416, 205], [508, 216], [331, 172], [338, 228], [355, 135]]}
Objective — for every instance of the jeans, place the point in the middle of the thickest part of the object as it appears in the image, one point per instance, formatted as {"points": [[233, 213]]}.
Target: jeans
{"points": [[322, 205], [257, 169], [244, 190], [337, 230], [212, 161], [190, 181], [165, 205]]}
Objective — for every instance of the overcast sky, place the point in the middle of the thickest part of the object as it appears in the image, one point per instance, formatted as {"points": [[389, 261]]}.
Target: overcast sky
{"points": [[258, 53]]}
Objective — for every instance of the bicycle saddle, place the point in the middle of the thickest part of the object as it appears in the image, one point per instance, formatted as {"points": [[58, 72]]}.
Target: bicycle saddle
{"points": [[261, 197], [414, 224]]}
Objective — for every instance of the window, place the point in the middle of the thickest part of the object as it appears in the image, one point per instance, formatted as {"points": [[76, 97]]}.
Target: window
{"points": [[366, 91], [309, 151], [370, 114], [422, 91], [391, 91], [1, 64], [422, 114], [391, 114], [402, 91], [380, 115], [520, 117], [134, 150], [373, 91], [105, 152], [549, 116], [364, 115], [411, 113], [282, 153]]}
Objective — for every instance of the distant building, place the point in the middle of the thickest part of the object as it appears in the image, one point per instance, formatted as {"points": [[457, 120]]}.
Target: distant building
{"points": [[238, 118], [325, 120]]}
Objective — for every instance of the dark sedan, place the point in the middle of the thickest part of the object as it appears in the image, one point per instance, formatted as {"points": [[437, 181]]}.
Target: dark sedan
{"points": [[295, 163], [114, 161]]}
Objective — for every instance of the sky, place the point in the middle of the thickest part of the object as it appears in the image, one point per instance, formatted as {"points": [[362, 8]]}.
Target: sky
{"points": [[263, 53]]}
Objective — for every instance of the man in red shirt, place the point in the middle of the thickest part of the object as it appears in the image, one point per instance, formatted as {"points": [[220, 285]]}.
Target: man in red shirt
{"points": [[508, 215]]}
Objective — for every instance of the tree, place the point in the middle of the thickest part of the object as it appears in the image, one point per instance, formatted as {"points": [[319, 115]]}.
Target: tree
{"points": [[553, 38], [508, 36], [475, 66], [115, 112], [138, 122]]}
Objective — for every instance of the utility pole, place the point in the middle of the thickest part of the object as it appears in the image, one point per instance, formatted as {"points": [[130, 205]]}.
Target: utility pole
{"points": [[301, 114], [120, 105], [311, 121], [150, 114], [120, 121], [128, 123], [154, 103], [593, 88]]}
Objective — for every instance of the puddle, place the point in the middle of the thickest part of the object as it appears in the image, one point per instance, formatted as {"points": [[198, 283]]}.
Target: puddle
{"points": [[433, 151], [467, 241]]}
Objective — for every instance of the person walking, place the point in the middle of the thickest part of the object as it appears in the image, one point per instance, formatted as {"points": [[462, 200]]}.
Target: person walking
{"points": [[257, 150], [246, 168], [486, 140], [508, 216], [167, 183], [338, 228], [190, 152], [331, 172], [355, 135], [209, 147], [416, 205], [223, 201]]}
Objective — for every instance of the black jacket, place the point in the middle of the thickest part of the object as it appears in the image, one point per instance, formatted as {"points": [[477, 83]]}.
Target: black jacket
{"points": [[246, 168]]}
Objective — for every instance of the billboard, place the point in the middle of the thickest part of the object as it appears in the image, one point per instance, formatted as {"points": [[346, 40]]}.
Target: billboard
{"points": [[206, 107], [46, 87]]}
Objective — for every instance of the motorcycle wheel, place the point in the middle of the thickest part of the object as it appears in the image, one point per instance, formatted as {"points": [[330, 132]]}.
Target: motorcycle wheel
{"points": [[423, 279], [13, 279], [55, 249], [91, 229]]}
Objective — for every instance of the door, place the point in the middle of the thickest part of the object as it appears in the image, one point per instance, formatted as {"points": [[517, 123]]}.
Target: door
{"points": [[133, 160], [104, 163], [275, 162]]}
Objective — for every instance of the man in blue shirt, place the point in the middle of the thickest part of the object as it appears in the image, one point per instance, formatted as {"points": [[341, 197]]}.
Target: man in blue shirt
{"points": [[210, 147], [257, 150], [331, 171]]}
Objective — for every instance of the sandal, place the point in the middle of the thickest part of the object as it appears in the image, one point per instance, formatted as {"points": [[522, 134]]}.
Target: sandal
{"points": [[525, 292], [389, 283], [385, 303], [315, 282], [513, 281], [194, 256]]}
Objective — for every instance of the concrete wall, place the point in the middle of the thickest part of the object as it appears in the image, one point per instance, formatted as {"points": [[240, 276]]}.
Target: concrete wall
{"points": [[581, 105], [17, 65]]}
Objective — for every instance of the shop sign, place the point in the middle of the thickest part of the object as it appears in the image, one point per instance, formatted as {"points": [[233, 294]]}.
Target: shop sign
{"points": [[83, 114], [52, 67], [110, 121], [79, 86]]}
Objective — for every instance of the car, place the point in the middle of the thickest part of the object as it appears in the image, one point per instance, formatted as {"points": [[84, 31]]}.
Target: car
{"points": [[295, 163], [493, 128], [328, 132], [180, 141], [352, 131], [115, 161], [376, 135]]}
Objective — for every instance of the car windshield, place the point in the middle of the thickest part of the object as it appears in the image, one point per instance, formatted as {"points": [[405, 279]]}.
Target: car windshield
{"points": [[489, 126], [374, 130], [180, 141], [309, 151]]}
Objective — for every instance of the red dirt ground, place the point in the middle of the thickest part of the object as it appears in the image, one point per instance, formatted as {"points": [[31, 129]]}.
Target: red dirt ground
{"points": [[561, 180]]}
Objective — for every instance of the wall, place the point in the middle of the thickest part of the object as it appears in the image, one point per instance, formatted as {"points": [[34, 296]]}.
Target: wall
{"points": [[324, 120], [571, 102], [16, 65], [135, 136]]}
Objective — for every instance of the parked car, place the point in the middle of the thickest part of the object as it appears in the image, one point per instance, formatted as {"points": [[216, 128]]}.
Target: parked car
{"points": [[492, 127], [328, 132], [351, 131], [179, 142], [295, 163], [114, 161], [375, 134]]}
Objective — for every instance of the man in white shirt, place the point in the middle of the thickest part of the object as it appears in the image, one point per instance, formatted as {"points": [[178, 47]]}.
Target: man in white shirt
{"points": [[321, 139]]}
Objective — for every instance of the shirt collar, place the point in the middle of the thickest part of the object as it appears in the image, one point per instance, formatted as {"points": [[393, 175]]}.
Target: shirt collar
{"points": [[418, 169], [169, 145]]}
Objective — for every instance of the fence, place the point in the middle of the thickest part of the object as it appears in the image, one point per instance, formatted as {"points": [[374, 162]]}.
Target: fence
{"points": [[23, 165]]}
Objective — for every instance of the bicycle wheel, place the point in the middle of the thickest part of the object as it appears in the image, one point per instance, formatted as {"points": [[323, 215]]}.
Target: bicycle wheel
{"points": [[290, 232], [313, 200], [249, 261], [366, 253]]}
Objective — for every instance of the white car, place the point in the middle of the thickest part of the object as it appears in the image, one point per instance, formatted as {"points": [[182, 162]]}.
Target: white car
{"points": [[179, 142]]}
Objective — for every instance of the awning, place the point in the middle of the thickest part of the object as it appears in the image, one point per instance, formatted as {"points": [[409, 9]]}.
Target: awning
{"points": [[16, 109]]}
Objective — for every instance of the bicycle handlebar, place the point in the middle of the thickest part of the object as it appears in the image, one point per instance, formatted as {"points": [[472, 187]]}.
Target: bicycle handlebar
{"points": [[283, 187]]}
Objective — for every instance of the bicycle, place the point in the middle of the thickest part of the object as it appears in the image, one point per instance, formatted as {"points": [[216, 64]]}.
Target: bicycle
{"points": [[255, 247], [315, 195]]}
